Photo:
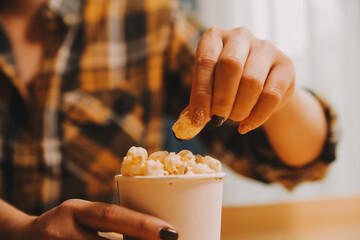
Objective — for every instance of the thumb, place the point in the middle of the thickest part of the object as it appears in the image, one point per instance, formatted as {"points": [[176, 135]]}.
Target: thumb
{"points": [[112, 218]]}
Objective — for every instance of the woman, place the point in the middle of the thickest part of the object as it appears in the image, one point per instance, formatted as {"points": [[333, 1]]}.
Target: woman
{"points": [[82, 81]]}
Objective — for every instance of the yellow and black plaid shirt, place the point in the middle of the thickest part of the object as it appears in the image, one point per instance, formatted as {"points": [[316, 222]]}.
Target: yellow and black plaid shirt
{"points": [[111, 73]]}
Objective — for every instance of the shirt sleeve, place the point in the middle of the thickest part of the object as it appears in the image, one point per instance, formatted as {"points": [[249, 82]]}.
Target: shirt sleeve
{"points": [[250, 155], [269, 167]]}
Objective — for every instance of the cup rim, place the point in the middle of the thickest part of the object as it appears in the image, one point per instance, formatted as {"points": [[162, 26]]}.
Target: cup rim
{"points": [[172, 178]]}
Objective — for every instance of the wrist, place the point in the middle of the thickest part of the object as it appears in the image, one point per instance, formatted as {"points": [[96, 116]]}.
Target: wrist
{"points": [[297, 131], [23, 228]]}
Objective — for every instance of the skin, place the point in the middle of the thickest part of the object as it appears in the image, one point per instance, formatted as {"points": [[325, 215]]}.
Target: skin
{"points": [[24, 27], [240, 77], [78, 219], [74, 219], [236, 76]]}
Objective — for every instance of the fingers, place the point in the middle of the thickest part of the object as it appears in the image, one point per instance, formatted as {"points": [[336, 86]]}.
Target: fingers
{"points": [[229, 70], [207, 54], [275, 88], [255, 72], [240, 77], [112, 218]]}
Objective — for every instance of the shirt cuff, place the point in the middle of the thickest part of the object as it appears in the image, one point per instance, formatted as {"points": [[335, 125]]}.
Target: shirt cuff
{"points": [[270, 168]]}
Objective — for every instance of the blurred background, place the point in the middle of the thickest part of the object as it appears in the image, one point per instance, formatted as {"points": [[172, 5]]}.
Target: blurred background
{"points": [[322, 37]]}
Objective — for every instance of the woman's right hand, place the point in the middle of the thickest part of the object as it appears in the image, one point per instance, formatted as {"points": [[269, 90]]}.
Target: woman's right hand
{"points": [[81, 220]]}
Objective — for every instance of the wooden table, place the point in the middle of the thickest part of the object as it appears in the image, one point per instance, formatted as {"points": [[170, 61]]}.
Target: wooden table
{"points": [[336, 219], [332, 219]]}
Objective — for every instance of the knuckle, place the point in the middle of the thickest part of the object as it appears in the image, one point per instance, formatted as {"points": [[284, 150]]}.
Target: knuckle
{"points": [[230, 63], [202, 91], [144, 223], [214, 30], [286, 64], [70, 204], [273, 95], [50, 232], [222, 103], [206, 62], [107, 211], [285, 59], [252, 81], [243, 31], [289, 64], [266, 44]]}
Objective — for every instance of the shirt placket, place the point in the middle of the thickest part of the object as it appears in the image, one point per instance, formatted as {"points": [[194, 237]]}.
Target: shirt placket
{"points": [[62, 31], [20, 149]]}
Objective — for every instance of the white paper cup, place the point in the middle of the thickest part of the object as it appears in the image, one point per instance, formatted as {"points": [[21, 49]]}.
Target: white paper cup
{"points": [[190, 203]]}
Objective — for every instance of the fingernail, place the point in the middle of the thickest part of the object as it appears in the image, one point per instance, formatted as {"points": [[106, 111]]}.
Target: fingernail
{"points": [[177, 137], [168, 234], [198, 116], [217, 121]]}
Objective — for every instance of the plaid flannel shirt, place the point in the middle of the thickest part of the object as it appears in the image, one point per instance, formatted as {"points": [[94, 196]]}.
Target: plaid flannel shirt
{"points": [[112, 70]]}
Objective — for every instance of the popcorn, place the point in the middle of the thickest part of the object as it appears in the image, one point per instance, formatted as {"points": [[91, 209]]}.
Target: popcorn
{"points": [[159, 156], [183, 127], [133, 163], [199, 158], [188, 157], [162, 163], [202, 168], [153, 168], [186, 154], [137, 154], [174, 164], [213, 163]]}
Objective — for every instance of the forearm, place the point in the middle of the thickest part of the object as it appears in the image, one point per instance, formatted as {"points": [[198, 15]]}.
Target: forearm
{"points": [[297, 131], [12, 221]]}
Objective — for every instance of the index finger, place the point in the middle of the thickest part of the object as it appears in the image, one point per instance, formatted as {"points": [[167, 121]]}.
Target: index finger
{"points": [[207, 54], [112, 218]]}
